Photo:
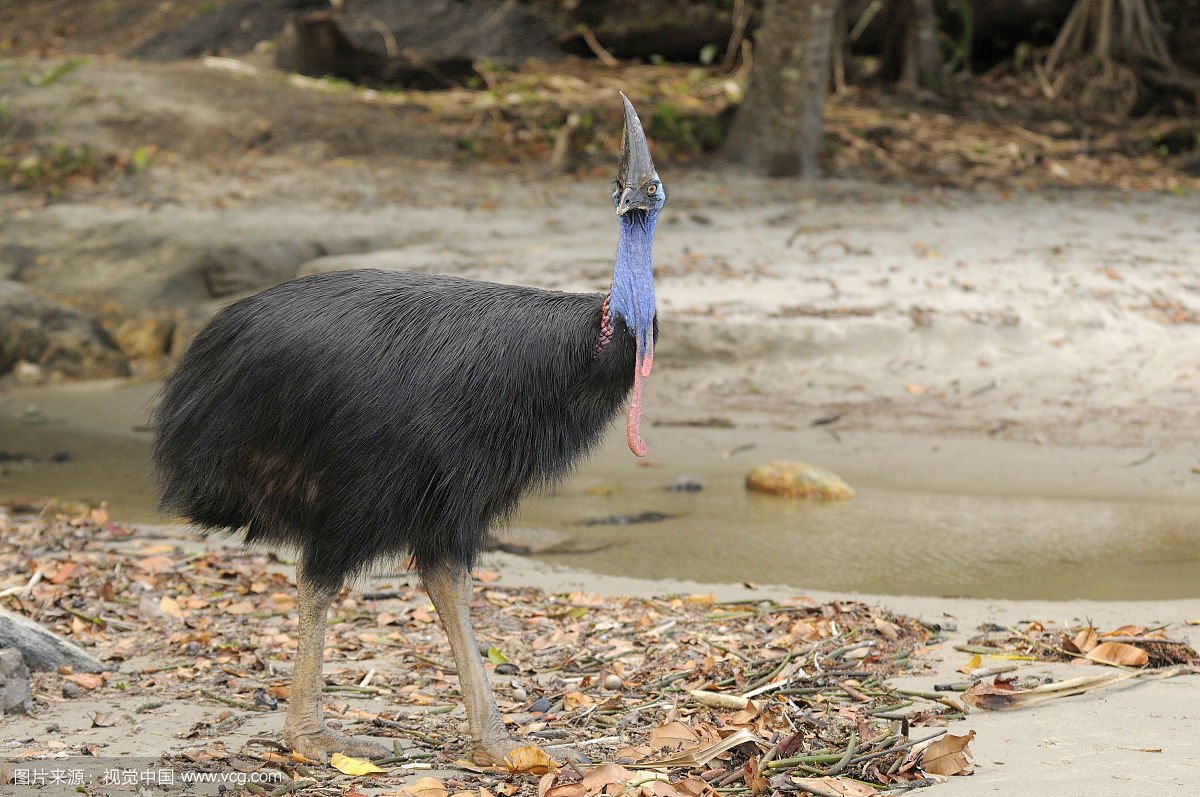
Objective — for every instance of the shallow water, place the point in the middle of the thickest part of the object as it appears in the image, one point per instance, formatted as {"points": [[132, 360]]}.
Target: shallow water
{"points": [[960, 518]]}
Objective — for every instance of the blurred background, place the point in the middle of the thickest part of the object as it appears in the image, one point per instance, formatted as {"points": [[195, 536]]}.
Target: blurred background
{"points": [[949, 249]]}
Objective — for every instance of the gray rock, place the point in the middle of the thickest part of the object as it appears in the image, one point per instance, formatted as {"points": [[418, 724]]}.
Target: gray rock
{"points": [[41, 648], [14, 683], [55, 339]]}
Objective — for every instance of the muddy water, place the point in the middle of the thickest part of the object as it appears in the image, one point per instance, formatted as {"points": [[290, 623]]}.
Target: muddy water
{"points": [[932, 517]]}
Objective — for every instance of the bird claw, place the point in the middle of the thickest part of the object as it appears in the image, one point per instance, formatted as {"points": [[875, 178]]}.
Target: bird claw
{"points": [[319, 746], [494, 752]]}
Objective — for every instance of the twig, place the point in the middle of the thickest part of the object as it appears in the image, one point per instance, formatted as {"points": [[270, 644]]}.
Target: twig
{"points": [[604, 56], [849, 754]]}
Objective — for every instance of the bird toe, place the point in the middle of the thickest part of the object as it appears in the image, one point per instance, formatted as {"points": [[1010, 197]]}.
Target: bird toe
{"points": [[323, 744], [494, 752]]}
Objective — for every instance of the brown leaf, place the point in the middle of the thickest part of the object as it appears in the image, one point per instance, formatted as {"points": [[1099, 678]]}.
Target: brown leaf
{"points": [[86, 680], [155, 564], [529, 759], [841, 786], [948, 755], [425, 787], [1085, 640], [566, 790], [672, 735], [544, 783], [1119, 653], [596, 778], [170, 607], [241, 607]]}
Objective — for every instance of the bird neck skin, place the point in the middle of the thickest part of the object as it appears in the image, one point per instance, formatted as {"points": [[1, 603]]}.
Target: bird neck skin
{"points": [[631, 296]]}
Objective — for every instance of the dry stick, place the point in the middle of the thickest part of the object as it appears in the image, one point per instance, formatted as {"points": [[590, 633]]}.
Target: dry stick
{"points": [[604, 56], [899, 747], [814, 790]]}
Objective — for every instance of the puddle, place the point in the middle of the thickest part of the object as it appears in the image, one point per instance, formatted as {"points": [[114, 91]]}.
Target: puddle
{"points": [[950, 519]]}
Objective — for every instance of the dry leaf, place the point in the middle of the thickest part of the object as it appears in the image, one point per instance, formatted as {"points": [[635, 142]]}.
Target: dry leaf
{"points": [[105, 719], [1085, 640], [1120, 654], [596, 778], [948, 755], [425, 787], [699, 756], [841, 786], [672, 736], [241, 607], [529, 759], [169, 606], [973, 663], [86, 680], [566, 790]]}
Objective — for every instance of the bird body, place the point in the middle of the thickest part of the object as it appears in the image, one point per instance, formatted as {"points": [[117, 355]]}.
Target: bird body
{"points": [[361, 415], [364, 415]]}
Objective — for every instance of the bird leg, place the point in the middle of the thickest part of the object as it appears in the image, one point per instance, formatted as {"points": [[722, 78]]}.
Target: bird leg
{"points": [[304, 729], [449, 588]]}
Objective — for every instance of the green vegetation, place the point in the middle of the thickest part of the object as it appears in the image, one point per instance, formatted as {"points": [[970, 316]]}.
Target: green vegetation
{"points": [[693, 134]]}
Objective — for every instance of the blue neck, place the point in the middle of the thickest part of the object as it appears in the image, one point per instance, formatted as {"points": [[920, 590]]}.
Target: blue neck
{"points": [[632, 294]]}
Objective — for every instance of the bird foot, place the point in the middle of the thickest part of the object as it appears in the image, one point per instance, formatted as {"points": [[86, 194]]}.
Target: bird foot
{"points": [[493, 752], [319, 746]]}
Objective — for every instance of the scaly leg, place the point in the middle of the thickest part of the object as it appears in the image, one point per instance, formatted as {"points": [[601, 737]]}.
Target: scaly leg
{"points": [[449, 588], [304, 729]]}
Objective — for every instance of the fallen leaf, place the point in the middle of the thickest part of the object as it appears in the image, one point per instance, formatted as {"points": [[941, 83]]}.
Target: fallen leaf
{"points": [[672, 736], [699, 756], [948, 755], [529, 759], [86, 680], [840, 786], [577, 700], [241, 607], [596, 778], [425, 787], [1119, 653], [973, 663], [495, 656], [169, 606], [105, 719], [155, 564]]}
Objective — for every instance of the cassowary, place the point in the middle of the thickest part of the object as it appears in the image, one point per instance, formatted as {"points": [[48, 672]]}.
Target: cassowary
{"points": [[367, 416]]}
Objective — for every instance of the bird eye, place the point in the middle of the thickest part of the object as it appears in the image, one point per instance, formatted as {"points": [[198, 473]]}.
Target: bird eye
{"points": [[652, 190]]}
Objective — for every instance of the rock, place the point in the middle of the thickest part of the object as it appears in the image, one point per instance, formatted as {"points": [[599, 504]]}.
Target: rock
{"points": [[45, 341], [612, 682], [14, 683], [686, 484], [41, 648], [148, 337], [525, 542], [798, 480]]}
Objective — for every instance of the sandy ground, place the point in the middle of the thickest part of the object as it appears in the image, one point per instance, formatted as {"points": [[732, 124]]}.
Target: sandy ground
{"points": [[1133, 738]]}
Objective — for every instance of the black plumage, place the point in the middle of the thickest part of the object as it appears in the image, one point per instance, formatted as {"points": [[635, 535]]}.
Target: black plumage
{"points": [[364, 414]]}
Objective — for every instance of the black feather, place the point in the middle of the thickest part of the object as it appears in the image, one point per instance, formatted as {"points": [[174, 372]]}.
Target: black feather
{"points": [[366, 414]]}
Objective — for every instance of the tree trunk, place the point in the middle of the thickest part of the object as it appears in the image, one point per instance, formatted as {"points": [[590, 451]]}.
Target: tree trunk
{"points": [[911, 54], [777, 130]]}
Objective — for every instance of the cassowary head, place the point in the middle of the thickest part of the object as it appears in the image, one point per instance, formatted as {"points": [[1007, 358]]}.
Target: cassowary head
{"points": [[639, 197]]}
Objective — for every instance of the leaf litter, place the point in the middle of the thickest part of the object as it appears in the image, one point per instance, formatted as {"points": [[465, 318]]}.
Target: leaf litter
{"points": [[1136, 652], [680, 696]]}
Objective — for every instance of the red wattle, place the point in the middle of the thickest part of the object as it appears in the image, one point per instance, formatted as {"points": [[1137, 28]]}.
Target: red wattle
{"points": [[636, 444], [647, 359]]}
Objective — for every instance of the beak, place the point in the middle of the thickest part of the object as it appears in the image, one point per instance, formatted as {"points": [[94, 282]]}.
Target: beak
{"points": [[628, 201], [635, 168]]}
